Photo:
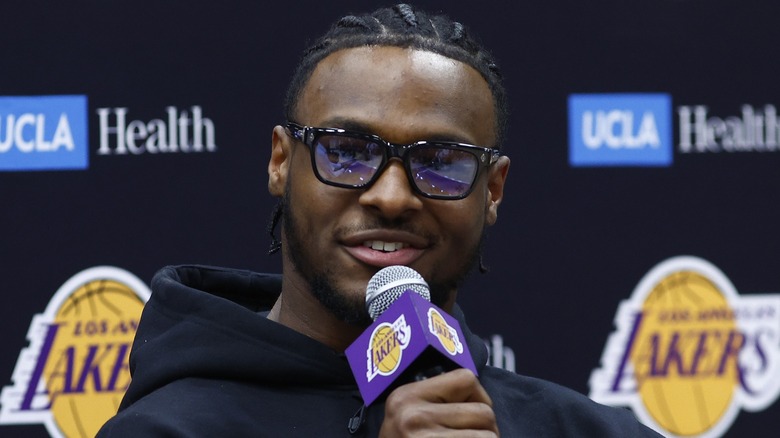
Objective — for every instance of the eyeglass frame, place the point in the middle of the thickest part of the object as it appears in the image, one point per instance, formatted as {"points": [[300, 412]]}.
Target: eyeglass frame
{"points": [[307, 135]]}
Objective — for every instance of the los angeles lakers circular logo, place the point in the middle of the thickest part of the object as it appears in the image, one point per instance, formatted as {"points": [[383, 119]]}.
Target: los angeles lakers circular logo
{"points": [[686, 355], [689, 352], [81, 346], [386, 346], [446, 334], [387, 351]]}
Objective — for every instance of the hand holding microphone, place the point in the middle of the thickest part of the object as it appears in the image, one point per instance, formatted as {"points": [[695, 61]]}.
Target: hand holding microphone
{"points": [[410, 352], [452, 404]]}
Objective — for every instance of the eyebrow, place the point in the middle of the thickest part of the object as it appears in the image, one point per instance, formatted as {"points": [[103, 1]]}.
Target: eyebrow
{"points": [[354, 125], [348, 124]]}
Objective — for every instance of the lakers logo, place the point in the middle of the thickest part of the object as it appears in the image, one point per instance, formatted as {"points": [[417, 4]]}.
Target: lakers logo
{"points": [[689, 352], [75, 372], [386, 347], [445, 333]]}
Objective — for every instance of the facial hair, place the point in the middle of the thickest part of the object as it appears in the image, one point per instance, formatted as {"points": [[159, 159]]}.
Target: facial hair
{"points": [[320, 276]]}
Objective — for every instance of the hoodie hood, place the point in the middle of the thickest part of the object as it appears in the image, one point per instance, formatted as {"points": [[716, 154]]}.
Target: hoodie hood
{"points": [[204, 322]]}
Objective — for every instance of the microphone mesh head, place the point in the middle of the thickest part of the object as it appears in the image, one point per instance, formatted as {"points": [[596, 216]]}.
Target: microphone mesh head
{"points": [[388, 284]]}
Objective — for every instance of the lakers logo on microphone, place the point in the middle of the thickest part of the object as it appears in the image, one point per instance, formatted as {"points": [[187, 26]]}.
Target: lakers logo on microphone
{"points": [[445, 333], [689, 352], [74, 373], [386, 347]]}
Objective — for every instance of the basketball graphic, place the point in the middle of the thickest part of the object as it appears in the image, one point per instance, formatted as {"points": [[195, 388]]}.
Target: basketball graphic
{"points": [[689, 351], [685, 373], [387, 351], [386, 346], [446, 335], [74, 374], [87, 368]]}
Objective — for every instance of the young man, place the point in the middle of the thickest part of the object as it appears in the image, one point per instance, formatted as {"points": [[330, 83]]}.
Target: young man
{"points": [[229, 353]]}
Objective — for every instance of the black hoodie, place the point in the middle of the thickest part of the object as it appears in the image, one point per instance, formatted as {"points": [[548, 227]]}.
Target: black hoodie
{"points": [[206, 363]]}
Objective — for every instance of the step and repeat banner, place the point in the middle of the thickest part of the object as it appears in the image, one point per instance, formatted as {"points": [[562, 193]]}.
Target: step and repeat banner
{"points": [[637, 254]]}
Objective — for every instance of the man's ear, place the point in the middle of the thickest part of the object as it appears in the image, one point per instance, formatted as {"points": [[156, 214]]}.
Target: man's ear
{"points": [[279, 164], [495, 185]]}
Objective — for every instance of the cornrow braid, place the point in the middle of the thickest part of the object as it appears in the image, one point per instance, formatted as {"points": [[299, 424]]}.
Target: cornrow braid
{"points": [[402, 26], [407, 13], [270, 228]]}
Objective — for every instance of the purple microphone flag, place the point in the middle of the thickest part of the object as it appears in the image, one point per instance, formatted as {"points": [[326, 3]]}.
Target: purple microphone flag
{"points": [[408, 328]]}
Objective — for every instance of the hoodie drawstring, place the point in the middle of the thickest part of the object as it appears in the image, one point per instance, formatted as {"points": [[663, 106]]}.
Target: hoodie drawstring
{"points": [[357, 420]]}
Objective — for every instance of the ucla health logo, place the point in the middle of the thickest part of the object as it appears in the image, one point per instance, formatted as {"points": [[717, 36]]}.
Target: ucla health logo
{"points": [[43, 133], [620, 130]]}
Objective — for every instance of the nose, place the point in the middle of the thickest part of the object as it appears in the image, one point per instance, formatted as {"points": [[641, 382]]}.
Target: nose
{"points": [[391, 195]]}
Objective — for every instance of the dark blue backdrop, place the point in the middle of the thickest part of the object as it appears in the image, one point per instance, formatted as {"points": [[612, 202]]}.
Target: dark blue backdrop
{"points": [[570, 244]]}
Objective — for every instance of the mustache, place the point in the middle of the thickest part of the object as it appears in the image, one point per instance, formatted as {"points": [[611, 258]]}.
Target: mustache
{"points": [[379, 223]]}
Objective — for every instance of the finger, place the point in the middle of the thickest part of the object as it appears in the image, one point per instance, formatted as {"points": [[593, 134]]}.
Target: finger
{"points": [[460, 385], [466, 433], [462, 416], [454, 400], [442, 419]]}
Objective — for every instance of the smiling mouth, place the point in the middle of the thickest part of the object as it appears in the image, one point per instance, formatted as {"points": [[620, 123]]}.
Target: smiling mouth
{"points": [[379, 245]]}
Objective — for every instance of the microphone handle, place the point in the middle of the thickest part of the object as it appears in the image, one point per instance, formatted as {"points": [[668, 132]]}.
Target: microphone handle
{"points": [[430, 372], [429, 364]]}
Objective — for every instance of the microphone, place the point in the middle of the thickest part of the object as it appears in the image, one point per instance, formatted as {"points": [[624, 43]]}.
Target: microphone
{"points": [[410, 339], [390, 283]]}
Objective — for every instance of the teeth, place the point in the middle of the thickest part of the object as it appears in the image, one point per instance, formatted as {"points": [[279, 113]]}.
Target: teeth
{"points": [[383, 246]]}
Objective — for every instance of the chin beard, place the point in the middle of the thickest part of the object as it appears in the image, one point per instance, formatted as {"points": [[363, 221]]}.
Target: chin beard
{"points": [[352, 312], [321, 279]]}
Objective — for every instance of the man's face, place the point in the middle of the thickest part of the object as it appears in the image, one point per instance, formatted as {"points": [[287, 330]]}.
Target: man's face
{"points": [[335, 239]]}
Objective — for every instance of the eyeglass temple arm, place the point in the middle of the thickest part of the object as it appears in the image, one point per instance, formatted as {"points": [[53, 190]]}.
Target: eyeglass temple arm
{"points": [[494, 155], [297, 131]]}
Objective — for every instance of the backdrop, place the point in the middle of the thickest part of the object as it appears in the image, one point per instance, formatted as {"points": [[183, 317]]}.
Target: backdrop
{"points": [[135, 134]]}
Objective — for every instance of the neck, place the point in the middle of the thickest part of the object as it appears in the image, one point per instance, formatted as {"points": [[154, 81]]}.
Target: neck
{"points": [[299, 310]]}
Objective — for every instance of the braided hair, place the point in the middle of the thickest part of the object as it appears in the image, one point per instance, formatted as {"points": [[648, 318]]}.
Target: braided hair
{"points": [[402, 26]]}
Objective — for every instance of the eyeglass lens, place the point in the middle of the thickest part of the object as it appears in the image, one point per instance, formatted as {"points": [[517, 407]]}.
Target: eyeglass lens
{"points": [[435, 170]]}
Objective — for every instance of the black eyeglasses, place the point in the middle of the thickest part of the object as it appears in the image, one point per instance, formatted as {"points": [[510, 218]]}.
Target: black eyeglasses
{"points": [[436, 169]]}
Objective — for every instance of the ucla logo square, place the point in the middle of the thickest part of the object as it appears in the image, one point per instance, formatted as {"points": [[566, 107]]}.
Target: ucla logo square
{"points": [[43, 133], [620, 130]]}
